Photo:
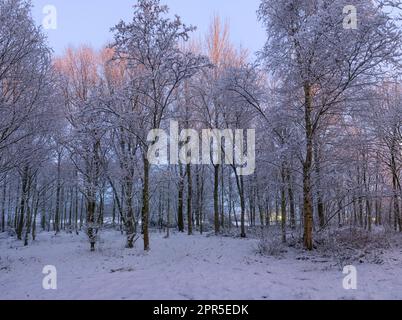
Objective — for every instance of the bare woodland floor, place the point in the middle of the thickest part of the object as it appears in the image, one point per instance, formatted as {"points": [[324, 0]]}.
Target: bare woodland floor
{"points": [[183, 267]]}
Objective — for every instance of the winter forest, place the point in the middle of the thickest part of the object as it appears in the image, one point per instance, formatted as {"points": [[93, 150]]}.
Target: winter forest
{"points": [[170, 166]]}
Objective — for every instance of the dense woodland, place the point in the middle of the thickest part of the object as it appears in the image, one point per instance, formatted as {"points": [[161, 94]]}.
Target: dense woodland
{"points": [[325, 101]]}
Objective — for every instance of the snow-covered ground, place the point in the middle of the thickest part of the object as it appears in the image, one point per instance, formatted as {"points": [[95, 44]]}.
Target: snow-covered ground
{"points": [[183, 267]]}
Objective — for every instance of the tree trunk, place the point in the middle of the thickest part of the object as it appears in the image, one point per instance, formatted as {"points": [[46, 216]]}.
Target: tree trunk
{"points": [[58, 190], [76, 210], [283, 205], [36, 209], [307, 165], [180, 206], [189, 200], [168, 214], [3, 206], [198, 200], [23, 203], [129, 216], [395, 188], [240, 187], [29, 214], [222, 198], [216, 199], [145, 205], [291, 201], [320, 204], [201, 207], [91, 206]]}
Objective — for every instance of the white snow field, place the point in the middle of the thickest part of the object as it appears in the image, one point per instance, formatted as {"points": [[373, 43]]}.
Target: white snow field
{"points": [[183, 267]]}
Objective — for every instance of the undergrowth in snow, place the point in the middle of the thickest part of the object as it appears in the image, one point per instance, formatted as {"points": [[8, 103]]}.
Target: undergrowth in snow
{"points": [[195, 267]]}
